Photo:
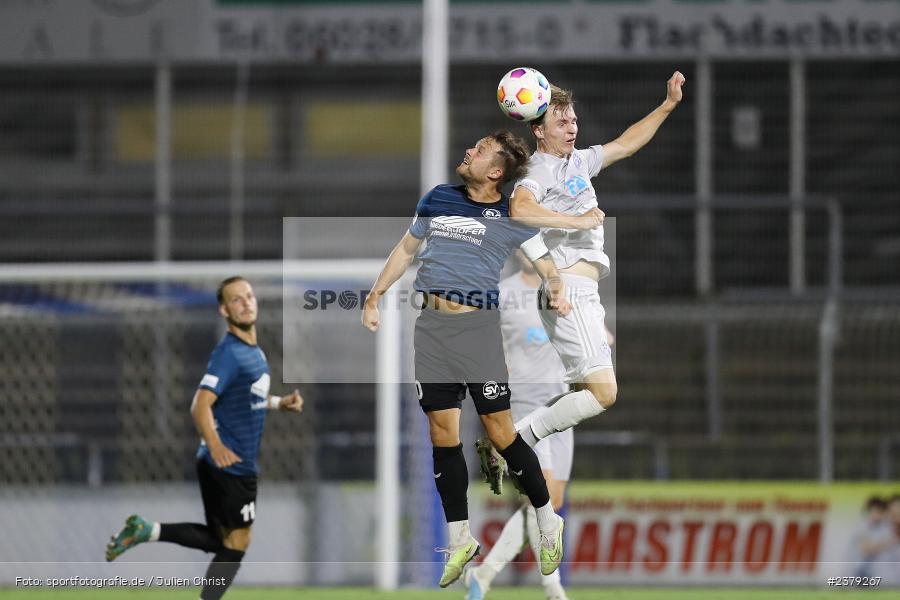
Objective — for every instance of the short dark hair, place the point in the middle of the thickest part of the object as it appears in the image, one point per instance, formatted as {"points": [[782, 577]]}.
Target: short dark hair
{"points": [[513, 155], [220, 291], [876, 502], [560, 100]]}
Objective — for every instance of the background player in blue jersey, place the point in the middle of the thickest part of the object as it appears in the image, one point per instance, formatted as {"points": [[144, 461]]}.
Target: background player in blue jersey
{"points": [[229, 411], [458, 344]]}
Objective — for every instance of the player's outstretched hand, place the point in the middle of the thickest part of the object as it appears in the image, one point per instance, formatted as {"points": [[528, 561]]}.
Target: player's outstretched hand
{"points": [[370, 317], [673, 88], [590, 219], [223, 456], [292, 402]]}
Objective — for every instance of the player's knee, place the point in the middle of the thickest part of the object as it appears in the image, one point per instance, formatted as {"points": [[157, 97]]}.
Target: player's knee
{"points": [[500, 430], [238, 539], [239, 545], [442, 435], [605, 393], [501, 438]]}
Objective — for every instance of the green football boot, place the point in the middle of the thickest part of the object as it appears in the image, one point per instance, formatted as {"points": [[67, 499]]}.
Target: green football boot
{"points": [[552, 549], [492, 464], [136, 531], [457, 559]]}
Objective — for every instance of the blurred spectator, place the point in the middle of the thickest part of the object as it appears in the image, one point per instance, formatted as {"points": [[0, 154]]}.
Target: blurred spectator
{"points": [[871, 528], [883, 549]]}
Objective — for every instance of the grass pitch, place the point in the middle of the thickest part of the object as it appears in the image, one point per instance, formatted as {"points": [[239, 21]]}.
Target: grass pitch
{"points": [[500, 593]]}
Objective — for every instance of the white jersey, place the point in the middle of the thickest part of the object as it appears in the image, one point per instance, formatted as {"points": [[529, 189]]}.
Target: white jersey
{"points": [[530, 357], [535, 370], [564, 185]]}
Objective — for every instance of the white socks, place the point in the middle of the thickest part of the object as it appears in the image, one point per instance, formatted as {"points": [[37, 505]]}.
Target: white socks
{"points": [[547, 520], [571, 409], [459, 533], [508, 545], [154, 533], [534, 540]]}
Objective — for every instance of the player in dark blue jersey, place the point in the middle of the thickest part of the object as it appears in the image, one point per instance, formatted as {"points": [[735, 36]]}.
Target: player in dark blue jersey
{"points": [[458, 344], [229, 411]]}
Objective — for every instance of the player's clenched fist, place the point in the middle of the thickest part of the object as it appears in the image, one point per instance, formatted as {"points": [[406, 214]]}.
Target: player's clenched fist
{"points": [[673, 88], [592, 218], [557, 293], [370, 316], [292, 402]]}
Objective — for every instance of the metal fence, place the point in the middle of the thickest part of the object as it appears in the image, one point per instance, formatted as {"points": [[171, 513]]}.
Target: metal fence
{"points": [[98, 378], [725, 327]]}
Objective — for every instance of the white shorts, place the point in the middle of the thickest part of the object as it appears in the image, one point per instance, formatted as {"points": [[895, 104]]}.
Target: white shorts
{"points": [[580, 337], [555, 451]]}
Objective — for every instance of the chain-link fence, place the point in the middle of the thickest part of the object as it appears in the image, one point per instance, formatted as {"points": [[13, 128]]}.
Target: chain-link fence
{"points": [[99, 379]]}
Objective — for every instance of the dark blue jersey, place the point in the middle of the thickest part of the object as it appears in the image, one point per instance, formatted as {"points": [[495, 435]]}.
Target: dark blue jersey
{"points": [[468, 243], [238, 375]]}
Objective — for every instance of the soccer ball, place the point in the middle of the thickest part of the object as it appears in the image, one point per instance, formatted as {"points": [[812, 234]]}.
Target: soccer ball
{"points": [[523, 94]]}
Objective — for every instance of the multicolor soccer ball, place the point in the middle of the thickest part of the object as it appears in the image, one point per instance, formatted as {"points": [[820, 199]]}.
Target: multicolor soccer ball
{"points": [[523, 94]]}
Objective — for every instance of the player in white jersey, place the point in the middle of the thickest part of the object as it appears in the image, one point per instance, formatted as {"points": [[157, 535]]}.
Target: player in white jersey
{"points": [[556, 190], [535, 370], [535, 374]]}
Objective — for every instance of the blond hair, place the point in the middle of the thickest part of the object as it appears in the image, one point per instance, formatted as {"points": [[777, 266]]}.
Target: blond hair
{"points": [[560, 100]]}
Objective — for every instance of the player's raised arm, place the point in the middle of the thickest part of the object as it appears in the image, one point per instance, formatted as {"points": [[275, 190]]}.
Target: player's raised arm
{"points": [[399, 260], [201, 411], [524, 209], [638, 135]]}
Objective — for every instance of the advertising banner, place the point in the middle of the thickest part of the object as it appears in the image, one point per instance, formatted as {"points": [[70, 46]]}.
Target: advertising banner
{"points": [[316, 31], [715, 534]]}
